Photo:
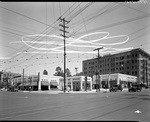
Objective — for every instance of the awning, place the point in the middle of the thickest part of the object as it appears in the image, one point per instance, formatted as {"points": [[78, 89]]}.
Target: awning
{"points": [[27, 84], [45, 83], [34, 84], [21, 85], [54, 83]]}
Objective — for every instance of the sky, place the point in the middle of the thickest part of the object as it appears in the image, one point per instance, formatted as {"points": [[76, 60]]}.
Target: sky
{"points": [[30, 35]]}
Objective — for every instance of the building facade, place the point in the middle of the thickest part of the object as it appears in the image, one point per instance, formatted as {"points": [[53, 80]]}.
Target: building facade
{"points": [[108, 80], [135, 62], [76, 83]]}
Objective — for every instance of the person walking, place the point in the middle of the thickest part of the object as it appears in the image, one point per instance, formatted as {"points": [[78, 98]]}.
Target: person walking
{"points": [[68, 89]]}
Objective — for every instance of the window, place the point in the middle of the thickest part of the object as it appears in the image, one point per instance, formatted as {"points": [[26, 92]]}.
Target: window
{"points": [[133, 55], [132, 61]]}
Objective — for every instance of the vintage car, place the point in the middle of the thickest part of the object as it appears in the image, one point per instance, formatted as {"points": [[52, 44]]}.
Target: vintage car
{"points": [[115, 88], [135, 88]]}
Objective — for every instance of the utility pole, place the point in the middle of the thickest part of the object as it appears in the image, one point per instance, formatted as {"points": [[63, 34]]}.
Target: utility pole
{"points": [[64, 35], [146, 73], [23, 78], [98, 68]]}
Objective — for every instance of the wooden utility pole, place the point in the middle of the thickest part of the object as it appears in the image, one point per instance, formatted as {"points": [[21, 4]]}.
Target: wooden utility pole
{"points": [[98, 68], [64, 35], [23, 78]]}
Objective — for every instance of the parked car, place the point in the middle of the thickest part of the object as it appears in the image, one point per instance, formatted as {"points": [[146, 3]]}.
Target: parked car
{"points": [[135, 88], [115, 88], [13, 89]]}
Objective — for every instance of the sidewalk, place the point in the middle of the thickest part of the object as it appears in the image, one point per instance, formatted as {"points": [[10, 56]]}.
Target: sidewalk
{"points": [[73, 92], [66, 92]]}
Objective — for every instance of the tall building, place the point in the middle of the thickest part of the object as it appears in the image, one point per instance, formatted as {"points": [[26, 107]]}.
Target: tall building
{"points": [[135, 62]]}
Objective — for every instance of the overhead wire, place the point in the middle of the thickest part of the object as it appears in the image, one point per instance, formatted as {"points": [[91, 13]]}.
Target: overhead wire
{"points": [[104, 12], [64, 13], [25, 16], [84, 9], [48, 27]]}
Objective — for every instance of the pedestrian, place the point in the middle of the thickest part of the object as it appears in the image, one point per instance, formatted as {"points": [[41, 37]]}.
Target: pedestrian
{"points": [[68, 89]]}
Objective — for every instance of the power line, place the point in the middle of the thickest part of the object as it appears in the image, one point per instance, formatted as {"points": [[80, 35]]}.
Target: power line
{"points": [[26, 16], [48, 27]]}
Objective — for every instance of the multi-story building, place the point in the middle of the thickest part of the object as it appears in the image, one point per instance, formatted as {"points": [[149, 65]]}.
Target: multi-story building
{"points": [[135, 62]]}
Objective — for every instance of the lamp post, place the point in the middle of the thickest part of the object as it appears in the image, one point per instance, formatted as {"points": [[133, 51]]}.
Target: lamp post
{"points": [[98, 68]]}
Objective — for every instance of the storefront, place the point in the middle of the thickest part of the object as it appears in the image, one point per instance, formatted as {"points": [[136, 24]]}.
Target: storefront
{"points": [[47, 82], [76, 83], [109, 80]]}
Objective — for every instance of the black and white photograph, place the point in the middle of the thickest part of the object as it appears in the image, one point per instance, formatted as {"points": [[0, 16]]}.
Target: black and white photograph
{"points": [[75, 61]]}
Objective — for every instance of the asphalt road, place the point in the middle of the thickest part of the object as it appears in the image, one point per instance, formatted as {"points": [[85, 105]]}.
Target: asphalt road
{"points": [[110, 106]]}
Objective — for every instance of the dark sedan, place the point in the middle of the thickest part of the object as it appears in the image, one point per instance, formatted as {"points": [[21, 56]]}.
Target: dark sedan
{"points": [[115, 88], [135, 88]]}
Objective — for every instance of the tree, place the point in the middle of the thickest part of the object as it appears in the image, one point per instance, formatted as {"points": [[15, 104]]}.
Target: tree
{"points": [[68, 72], [79, 74], [59, 72], [45, 72]]}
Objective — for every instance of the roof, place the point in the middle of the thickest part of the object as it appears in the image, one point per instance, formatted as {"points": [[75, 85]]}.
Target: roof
{"points": [[136, 49]]}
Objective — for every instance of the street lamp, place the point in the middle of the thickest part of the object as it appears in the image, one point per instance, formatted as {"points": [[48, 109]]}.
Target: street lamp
{"points": [[98, 68]]}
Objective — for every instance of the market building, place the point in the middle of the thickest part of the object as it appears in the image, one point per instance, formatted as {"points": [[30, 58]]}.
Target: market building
{"points": [[135, 62], [76, 83], [108, 80]]}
